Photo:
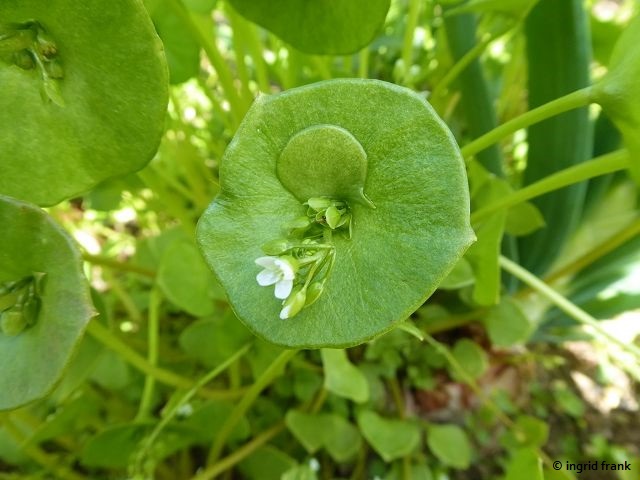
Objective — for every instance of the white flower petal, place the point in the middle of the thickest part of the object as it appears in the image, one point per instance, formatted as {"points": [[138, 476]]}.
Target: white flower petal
{"points": [[288, 272], [283, 288], [267, 277], [267, 262]]}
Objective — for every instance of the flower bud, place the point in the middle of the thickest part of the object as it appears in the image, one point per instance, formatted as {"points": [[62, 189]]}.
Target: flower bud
{"points": [[12, 322], [276, 247], [332, 216], [313, 292], [319, 203], [293, 304]]}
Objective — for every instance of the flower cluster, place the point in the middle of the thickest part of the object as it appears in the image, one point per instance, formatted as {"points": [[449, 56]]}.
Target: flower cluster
{"points": [[300, 264], [20, 303], [36, 50]]}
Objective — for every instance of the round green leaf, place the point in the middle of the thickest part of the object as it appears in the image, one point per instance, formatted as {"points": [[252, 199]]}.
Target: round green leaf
{"points": [[186, 280], [391, 438], [314, 431], [34, 359], [470, 357], [399, 248], [619, 90], [524, 463], [450, 444], [507, 324], [104, 117], [306, 427], [320, 26], [342, 377]]}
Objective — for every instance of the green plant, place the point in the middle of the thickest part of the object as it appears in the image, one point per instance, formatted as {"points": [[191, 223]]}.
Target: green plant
{"points": [[183, 306]]}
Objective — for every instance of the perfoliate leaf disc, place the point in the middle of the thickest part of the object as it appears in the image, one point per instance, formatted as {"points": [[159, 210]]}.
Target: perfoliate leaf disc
{"points": [[99, 110], [619, 90], [34, 359], [398, 252], [320, 26]]}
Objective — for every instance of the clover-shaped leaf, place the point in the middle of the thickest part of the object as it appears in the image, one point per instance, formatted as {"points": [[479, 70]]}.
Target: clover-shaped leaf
{"points": [[84, 95], [41, 281], [320, 26], [389, 219]]}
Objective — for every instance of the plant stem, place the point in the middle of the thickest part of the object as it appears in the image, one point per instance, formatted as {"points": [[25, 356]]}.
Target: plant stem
{"points": [[267, 377], [251, 34], [119, 291], [407, 45], [322, 65], [564, 304], [240, 454], [173, 203], [398, 397], [579, 98], [109, 340], [363, 63], [464, 62], [238, 42], [153, 332], [209, 46], [454, 321], [188, 395], [610, 162], [117, 265], [47, 461]]}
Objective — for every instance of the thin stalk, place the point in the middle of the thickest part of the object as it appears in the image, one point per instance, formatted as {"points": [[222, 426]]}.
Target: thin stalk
{"points": [[153, 334], [318, 400], [565, 304], [321, 64], [267, 377], [195, 172], [464, 62], [240, 454], [239, 52], [215, 105], [208, 44], [167, 377], [361, 464], [113, 264], [186, 397], [119, 291], [610, 244], [172, 180], [172, 202], [406, 467], [398, 397], [250, 33], [577, 99], [47, 461], [453, 321], [608, 163], [363, 63], [410, 26]]}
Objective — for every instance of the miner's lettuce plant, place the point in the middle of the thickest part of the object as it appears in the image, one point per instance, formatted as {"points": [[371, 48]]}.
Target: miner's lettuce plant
{"points": [[361, 143], [280, 238]]}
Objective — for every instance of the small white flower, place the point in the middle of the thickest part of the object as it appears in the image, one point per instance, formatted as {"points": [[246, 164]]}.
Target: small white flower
{"points": [[280, 271]]}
